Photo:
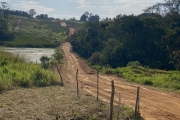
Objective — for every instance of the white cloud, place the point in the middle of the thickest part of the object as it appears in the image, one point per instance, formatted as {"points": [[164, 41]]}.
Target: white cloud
{"points": [[84, 6], [127, 6], [27, 5], [4, 0], [88, 3]]}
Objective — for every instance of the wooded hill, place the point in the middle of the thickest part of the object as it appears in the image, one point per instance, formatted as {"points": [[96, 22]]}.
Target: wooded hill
{"points": [[152, 39]]}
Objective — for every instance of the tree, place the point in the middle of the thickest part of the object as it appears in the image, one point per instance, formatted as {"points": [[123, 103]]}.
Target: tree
{"points": [[170, 6], [42, 16], [175, 59], [83, 18], [89, 17], [32, 12], [4, 15], [45, 62], [4, 18], [94, 18]]}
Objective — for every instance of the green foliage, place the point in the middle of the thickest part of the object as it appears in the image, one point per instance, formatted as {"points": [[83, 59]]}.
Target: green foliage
{"points": [[134, 64], [36, 33], [144, 75], [15, 71], [45, 62], [50, 62], [149, 39], [5, 34], [89, 17], [58, 54]]}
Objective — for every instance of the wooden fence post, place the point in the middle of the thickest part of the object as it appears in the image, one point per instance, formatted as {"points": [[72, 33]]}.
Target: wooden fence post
{"points": [[119, 106], [60, 74], [112, 100], [97, 85], [137, 103], [77, 82]]}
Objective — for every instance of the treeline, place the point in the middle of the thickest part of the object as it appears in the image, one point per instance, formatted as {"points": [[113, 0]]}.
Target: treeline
{"points": [[19, 13], [151, 39], [5, 34], [89, 17]]}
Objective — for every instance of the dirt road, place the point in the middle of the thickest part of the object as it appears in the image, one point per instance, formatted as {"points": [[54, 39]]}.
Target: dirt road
{"points": [[154, 105]]}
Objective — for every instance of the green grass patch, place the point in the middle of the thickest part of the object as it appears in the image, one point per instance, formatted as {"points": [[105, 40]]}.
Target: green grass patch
{"points": [[169, 80], [16, 72]]}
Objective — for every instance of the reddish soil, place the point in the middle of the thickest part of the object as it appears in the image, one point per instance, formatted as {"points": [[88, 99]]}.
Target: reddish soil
{"points": [[154, 104]]}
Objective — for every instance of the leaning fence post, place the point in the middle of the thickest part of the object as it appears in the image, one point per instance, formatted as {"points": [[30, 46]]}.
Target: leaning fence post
{"points": [[77, 82], [59, 74], [97, 85], [137, 103], [119, 106], [112, 100]]}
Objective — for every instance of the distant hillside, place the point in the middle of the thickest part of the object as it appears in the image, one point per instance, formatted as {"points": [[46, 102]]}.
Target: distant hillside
{"points": [[31, 32]]}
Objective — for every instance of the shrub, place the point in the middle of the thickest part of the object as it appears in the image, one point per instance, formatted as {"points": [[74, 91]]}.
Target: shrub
{"points": [[148, 82], [134, 64], [45, 62], [15, 71]]}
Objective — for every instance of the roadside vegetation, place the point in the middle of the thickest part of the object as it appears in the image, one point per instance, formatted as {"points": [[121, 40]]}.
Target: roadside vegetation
{"points": [[50, 62], [134, 72], [16, 72]]}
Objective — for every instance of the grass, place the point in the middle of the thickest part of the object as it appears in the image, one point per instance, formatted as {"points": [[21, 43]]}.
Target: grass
{"points": [[16, 72], [169, 80], [50, 102], [36, 33]]}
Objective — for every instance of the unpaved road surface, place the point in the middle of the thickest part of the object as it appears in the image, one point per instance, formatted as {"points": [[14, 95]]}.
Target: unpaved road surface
{"points": [[154, 104]]}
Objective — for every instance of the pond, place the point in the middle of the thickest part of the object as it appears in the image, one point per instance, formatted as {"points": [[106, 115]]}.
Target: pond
{"points": [[31, 54]]}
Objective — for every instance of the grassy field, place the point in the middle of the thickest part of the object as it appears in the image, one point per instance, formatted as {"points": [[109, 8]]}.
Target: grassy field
{"points": [[38, 33], [47, 103], [169, 80], [16, 72]]}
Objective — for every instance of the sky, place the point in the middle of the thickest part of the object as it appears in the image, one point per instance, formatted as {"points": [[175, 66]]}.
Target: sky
{"points": [[75, 8]]}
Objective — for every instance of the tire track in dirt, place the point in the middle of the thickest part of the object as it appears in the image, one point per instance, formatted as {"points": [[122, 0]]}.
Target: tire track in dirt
{"points": [[155, 104]]}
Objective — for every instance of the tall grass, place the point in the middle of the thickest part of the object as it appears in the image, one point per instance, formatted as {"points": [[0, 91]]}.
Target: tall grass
{"points": [[16, 72], [169, 80]]}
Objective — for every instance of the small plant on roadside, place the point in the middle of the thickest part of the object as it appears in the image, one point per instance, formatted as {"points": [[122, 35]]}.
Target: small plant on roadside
{"points": [[45, 62], [58, 56], [94, 117]]}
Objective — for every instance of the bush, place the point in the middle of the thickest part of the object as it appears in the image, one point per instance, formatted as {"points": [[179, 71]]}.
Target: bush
{"points": [[15, 71], [148, 82], [45, 62], [134, 64]]}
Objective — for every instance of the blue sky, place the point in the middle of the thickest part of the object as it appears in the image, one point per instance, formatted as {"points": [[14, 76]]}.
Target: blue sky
{"points": [[75, 8]]}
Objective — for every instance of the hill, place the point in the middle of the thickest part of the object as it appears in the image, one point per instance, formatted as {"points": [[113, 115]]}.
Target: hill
{"points": [[32, 32]]}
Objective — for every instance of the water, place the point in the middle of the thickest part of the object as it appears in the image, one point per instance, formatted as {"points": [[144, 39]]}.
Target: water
{"points": [[31, 54]]}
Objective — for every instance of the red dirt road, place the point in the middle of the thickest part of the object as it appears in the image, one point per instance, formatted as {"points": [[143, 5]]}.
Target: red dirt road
{"points": [[154, 104]]}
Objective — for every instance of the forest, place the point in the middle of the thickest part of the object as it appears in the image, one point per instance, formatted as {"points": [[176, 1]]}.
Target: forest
{"points": [[152, 38]]}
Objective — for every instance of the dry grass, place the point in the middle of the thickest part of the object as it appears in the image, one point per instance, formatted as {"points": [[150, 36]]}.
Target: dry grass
{"points": [[48, 102]]}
